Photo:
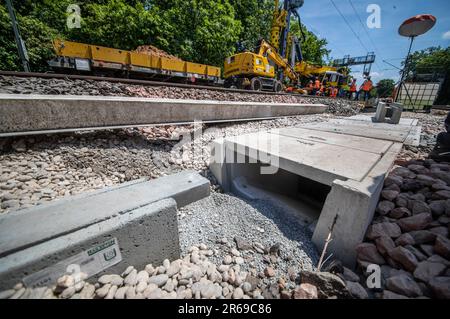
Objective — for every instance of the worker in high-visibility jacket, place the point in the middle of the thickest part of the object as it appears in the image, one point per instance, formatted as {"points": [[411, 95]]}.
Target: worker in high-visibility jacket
{"points": [[366, 87], [333, 92], [352, 89]]}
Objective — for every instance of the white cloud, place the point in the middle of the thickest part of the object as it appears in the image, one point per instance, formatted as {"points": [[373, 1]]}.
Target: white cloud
{"points": [[446, 35]]}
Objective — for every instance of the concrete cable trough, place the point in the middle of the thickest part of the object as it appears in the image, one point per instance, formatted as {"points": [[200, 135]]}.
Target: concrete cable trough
{"points": [[41, 114], [136, 221], [317, 171]]}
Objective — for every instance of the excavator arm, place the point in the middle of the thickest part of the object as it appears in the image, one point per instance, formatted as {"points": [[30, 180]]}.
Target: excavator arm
{"points": [[265, 49]]}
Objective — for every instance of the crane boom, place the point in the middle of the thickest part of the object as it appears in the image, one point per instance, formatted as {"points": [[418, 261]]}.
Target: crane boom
{"points": [[265, 49]]}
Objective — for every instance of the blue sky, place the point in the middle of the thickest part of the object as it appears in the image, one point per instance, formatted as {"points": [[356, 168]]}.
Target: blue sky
{"points": [[322, 18]]}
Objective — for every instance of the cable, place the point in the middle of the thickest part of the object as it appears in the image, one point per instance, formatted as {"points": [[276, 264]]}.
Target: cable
{"points": [[350, 27], [367, 33]]}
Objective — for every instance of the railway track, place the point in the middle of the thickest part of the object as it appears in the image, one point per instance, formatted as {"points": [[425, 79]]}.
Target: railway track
{"points": [[143, 82]]}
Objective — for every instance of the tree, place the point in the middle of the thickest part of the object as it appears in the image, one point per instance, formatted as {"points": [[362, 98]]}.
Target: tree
{"points": [[314, 50], [203, 31], [256, 19], [117, 24], [385, 87], [37, 37], [432, 59]]}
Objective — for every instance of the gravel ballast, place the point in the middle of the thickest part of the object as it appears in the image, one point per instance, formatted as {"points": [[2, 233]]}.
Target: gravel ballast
{"points": [[224, 216]]}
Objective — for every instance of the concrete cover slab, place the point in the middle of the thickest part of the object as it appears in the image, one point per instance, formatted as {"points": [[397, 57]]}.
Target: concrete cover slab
{"points": [[370, 117], [353, 142], [148, 234], [363, 128], [321, 161]]}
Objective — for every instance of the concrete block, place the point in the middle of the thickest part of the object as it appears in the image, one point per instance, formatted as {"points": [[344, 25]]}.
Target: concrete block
{"points": [[33, 114], [355, 203], [380, 113], [28, 227], [148, 234]]}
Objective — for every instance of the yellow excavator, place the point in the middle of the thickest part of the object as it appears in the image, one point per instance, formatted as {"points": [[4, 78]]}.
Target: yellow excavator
{"points": [[267, 68], [254, 71]]}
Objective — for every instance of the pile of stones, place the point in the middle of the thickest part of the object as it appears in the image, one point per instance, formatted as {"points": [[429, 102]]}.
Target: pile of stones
{"points": [[431, 126], [191, 277], [409, 236]]}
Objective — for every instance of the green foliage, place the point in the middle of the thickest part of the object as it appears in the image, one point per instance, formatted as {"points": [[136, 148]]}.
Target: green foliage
{"points": [[204, 31], [385, 87], [256, 19], [314, 50], [201, 30], [118, 25], [37, 37], [433, 59]]}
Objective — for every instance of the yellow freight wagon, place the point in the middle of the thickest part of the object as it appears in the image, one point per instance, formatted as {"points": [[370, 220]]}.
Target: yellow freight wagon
{"points": [[85, 58]]}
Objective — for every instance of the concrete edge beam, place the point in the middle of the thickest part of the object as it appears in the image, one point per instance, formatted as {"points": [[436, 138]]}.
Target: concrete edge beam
{"points": [[27, 113], [148, 234], [24, 228]]}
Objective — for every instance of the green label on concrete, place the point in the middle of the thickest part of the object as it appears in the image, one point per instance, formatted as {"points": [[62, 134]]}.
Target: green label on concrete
{"points": [[90, 262]]}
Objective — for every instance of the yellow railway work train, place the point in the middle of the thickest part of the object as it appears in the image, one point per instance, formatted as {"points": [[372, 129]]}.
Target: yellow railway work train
{"points": [[93, 59]]}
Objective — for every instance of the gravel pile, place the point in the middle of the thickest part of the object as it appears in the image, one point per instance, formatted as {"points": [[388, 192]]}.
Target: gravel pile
{"points": [[432, 125], [193, 276], [17, 85], [223, 221], [409, 236]]}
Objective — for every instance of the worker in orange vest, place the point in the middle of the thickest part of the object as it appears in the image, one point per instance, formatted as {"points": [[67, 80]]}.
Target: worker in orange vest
{"points": [[333, 92], [352, 89], [366, 87]]}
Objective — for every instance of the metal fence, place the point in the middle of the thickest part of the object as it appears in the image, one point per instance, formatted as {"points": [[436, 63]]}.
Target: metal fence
{"points": [[420, 94]]}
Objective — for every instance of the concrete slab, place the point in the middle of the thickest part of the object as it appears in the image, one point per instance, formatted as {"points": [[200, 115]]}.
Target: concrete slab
{"points": [[38, 114], [28, 227], [362, 128], [353, 142], [370, 118], [366, 128], [354, 203], [322, 160]]}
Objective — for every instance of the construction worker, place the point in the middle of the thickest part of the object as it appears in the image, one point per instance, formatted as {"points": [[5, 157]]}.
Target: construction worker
{"points": [[316, 86], [366, 87], [310, 87], [333, 92], [321, 91], [352, 89]]}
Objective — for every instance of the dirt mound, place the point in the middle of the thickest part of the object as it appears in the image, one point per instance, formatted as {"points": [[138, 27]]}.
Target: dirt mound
{"points": [[152, 50]]}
